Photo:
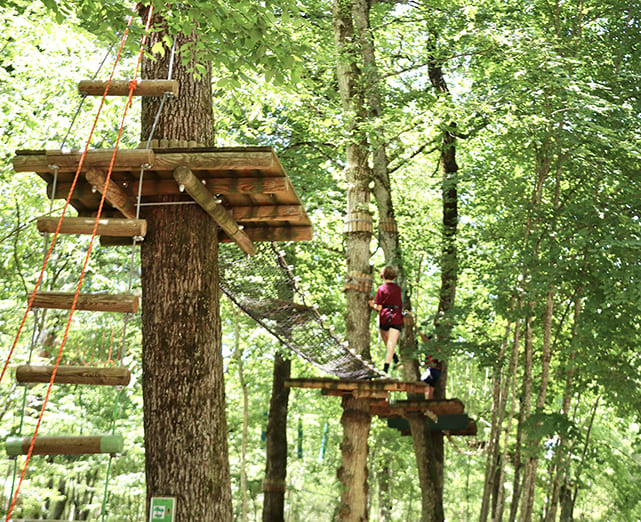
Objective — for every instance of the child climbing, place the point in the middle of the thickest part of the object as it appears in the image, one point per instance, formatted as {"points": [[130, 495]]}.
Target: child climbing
{"points": [[388, 302], [433, 372]]}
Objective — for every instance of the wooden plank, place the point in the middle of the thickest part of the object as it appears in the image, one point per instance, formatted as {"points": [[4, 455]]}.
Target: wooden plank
{"points": [[114, 193], [358, 385], [437, 406], [216, 160], [126, 159], [164, 187], [204, 198], [123, 303], [276, 233], [109, 376], [112, 227], [121, 87], [267, 213], [65, 445]]}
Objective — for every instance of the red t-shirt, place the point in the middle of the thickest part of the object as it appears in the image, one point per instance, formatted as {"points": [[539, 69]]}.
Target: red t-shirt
{"points": [[389, 294]]}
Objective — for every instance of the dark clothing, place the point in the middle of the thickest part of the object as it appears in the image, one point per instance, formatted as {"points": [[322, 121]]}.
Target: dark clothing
{"points": [[433, 372], [389, 296]]}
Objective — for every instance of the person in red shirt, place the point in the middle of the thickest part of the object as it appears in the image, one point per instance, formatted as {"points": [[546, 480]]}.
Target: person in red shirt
{"points": [[389, 304]]}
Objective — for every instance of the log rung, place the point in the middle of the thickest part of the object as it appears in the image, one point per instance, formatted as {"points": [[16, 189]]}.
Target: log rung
{"points": [[123, 303], [109, 376], [65, 445], [111, 227], [121, 87]]}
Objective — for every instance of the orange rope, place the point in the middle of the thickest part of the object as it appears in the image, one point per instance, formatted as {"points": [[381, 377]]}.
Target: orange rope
{"points": [[66, 206], [86, 261]]}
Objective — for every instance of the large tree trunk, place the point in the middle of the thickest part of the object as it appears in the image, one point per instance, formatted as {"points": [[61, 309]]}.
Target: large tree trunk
{"points": [[276, 444], [356, 417], [183, 386]]}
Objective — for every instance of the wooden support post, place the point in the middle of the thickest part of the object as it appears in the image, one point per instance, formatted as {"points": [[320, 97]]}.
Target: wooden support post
{"points": [[185, 177], [115, 194], [116, 376], [65, 445], [123, 303], [121, 87], [112, 227]]}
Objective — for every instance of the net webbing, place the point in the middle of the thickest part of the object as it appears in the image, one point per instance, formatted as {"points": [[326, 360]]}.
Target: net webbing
{"points": [[264, 287]]}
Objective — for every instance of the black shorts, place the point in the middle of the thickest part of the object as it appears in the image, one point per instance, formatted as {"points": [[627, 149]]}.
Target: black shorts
{"points": [[386, 327]]}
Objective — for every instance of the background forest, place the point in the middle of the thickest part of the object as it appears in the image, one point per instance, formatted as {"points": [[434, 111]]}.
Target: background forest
{"points": [[543, 100]]}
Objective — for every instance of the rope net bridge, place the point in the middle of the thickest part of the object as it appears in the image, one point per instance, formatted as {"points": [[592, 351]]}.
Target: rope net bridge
{"points": [[264, 287]]}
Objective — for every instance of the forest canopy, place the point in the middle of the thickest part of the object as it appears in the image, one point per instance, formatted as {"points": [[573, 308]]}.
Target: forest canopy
{"points": [[541, 101]]}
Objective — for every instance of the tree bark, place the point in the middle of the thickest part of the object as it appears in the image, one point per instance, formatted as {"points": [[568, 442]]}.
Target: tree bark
{"points": [[356, 418], [183, 387], [274, 485]]}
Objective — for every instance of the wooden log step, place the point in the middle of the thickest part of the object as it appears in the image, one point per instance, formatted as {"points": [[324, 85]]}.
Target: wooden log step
{"points": [[65, 445], [122, 303], [110, 376], [111, 227], [121, 87]]}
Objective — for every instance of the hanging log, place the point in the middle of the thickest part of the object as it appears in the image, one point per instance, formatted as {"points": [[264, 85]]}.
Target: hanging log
{"points": [[121, 87], [111, 227], [116, 376], [65, 445], [185, 177], [115, 194], [123, 303]]}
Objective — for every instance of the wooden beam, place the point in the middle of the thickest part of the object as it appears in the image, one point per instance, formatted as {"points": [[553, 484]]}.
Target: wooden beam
{"points": [[111, 227], [121, 87], [109, 376], [358, 385], [115, 194], [225, 185], [65, 445], [123, 303], [216, 160], [184, 176], [266, 213], [277, 233], [126, 159]]}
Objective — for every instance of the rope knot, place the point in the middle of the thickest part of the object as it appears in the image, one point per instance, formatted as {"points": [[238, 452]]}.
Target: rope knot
{"points": [[133, 85]]}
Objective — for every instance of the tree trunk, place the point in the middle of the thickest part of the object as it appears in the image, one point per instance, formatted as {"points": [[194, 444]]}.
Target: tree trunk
{"points": [[500, 388], [183, 386], [356, 418], [238, 355], [274, 485]]}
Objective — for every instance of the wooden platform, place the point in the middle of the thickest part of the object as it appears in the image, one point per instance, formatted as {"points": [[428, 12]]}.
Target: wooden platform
{"points": [[375, 389], [249, 182], [447, 415]]}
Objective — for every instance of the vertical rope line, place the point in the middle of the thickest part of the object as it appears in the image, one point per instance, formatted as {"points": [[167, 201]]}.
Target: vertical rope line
{"points": [[85, 264], [84, 97], [66, 206]]}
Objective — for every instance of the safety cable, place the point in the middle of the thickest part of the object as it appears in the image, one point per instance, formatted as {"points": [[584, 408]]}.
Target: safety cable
{"points": [[132, 86]]}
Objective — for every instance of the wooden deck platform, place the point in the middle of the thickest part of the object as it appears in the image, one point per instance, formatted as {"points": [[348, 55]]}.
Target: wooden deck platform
{"points": [[249, 182], [447, 415]]}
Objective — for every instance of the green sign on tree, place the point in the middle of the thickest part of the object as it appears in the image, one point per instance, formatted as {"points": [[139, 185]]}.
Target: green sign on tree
{"points": [[162, 509]]}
